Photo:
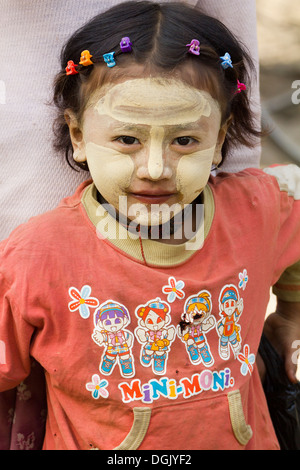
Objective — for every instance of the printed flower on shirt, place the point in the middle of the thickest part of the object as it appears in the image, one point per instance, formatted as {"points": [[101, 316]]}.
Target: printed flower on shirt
{"points": [[243, 279], [25, 443], [22, 392], [82, 301], [174, 289], [97, 387], [247, 360]]}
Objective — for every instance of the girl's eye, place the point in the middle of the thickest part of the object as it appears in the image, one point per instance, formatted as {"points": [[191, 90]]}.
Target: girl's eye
{"points": [[117, 320], [128, 140], [150, 322], [185, 140], [159, 320], [107, 322]]}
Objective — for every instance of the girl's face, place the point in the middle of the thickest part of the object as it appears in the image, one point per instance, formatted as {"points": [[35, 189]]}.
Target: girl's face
{"points": [[152, 140]]}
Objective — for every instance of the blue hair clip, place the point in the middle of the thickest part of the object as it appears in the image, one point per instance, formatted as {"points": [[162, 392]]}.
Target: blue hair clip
{"points": [[226, 61], [109, 59]]}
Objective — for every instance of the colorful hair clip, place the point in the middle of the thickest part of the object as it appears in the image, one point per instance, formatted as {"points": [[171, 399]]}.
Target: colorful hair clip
{"points": [[85, 58], [125, 44], [194, 47], [240, 87], [109, 59], [70, 68], [226, 61]]}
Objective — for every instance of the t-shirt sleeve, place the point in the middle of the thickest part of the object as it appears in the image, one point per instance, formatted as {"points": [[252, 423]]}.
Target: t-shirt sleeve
{"points": [[287, 260], [288, 286], [15, 338]]}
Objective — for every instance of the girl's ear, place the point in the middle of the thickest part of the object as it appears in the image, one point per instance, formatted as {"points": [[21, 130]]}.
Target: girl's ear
{"points": [[76, 136], [220, 141]]}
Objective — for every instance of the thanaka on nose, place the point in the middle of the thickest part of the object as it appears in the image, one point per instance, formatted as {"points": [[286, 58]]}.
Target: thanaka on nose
{"points": [[155, 157]]}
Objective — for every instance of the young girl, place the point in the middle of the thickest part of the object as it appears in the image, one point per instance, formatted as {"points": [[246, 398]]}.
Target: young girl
{"points": [[150, 97]]}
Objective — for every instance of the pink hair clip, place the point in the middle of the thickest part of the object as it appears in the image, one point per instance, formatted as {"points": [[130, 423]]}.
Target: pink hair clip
{"points": [[70, 68], [240, 87], [194, 47]]}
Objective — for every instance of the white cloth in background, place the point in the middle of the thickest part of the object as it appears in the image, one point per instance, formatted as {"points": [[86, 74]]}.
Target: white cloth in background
{"points": [[32, 178]]}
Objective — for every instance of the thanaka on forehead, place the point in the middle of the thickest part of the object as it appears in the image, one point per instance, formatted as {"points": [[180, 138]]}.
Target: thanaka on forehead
{"points": [[155, 101], [197, 75]]}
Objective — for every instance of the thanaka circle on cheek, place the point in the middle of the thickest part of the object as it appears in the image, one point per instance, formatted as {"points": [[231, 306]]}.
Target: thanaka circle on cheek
{"points": [[110, 169], [193, 172], [155, 101]]}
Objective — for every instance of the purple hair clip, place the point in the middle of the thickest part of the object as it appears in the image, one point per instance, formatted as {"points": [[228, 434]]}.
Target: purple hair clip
{"points": [[194, 47], [125, 44]]}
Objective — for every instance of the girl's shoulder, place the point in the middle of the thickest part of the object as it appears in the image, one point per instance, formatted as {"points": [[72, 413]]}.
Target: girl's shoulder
{"points": [[282, 177], [267, 184], [43, 232]]}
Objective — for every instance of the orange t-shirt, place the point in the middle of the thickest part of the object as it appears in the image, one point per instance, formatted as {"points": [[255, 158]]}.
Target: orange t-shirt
{"points": [[70, 298]]}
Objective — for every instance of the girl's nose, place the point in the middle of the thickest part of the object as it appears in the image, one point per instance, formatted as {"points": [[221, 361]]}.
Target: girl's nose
{"points": [[155, 166], [155, 159]]}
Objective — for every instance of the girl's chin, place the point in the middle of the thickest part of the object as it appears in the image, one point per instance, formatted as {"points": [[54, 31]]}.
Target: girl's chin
{"points": [[150, 221]]}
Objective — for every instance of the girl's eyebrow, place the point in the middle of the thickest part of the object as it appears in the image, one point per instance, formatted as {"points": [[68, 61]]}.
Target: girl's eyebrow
{"points": [[188, 126], [124, 126]]}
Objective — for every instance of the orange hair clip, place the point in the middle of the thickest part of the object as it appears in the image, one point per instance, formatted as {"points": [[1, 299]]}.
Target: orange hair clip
{"points": [[85, 58]]}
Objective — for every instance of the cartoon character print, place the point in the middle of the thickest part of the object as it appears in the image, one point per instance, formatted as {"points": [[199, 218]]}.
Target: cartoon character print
{"points": [[154, 335], [231, 307], [196, 321], [110, 320]]}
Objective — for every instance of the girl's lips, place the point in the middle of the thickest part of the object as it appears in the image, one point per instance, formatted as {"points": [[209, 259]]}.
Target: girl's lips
{"points": [[152, 198]]}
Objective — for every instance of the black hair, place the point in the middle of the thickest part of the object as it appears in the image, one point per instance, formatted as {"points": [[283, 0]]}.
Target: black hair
{"points": [[159, 33]]}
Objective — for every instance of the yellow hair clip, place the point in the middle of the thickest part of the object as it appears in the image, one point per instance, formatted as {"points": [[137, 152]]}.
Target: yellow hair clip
{"points": [[85, 58]]}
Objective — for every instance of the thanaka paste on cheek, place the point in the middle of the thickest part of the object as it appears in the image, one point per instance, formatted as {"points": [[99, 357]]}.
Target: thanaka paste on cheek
{"points": [[111, 171], [193, 172]]}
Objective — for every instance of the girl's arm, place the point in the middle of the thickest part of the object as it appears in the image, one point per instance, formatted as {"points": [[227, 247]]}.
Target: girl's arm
{"points": [[282, 329]]}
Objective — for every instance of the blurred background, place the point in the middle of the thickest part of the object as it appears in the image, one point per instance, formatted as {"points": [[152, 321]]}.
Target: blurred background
{"points": [[278, 28]]}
